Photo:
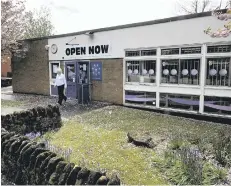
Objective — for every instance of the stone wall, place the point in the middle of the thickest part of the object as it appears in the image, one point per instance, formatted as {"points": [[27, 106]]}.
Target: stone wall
{"points": [[32, 121], [110, 89], [31, 74], [28, 163]]}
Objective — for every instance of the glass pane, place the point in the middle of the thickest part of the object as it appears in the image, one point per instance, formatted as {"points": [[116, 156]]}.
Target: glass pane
{"points": [[183, 102], [219, 49], [70, 72], [191, 50], [217, 105], [132, 53], [54, 68], [140, 98], [218, 72], [148, 52], [141, 71], [170, 51], [189, 71], [133, 71], [170, 71]]}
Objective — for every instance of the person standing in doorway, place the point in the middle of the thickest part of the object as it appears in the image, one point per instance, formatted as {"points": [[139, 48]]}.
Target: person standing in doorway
{"points": [[61, 83]]}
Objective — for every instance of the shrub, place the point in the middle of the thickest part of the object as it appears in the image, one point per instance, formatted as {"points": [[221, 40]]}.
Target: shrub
{"points": [[192, 164], [213, 175], [222, 148]]}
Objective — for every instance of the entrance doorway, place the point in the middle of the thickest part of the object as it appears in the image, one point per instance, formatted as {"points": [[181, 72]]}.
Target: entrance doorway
{"points": [[77, 74], [71, 77]]}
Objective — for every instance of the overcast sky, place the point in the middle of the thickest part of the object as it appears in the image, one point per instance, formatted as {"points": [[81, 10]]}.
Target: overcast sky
{"points": [[76, 15]]}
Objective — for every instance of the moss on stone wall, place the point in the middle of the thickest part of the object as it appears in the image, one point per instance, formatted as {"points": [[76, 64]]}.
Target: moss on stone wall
{"points": [[34, 120], [26, 162]]}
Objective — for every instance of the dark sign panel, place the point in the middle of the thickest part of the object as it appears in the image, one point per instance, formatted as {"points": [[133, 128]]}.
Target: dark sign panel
{"points": [[96, 71], [170, 51], [191, 50]]}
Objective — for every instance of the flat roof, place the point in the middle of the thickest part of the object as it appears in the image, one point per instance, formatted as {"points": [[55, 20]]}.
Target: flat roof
{"points": [[152, 22]]}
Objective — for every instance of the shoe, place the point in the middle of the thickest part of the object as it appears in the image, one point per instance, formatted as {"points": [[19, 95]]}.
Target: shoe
{"points": [[65, 99]]}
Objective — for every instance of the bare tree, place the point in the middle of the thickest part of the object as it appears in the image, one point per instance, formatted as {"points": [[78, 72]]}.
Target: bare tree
{"points": [[38, 23], [198, 6]]}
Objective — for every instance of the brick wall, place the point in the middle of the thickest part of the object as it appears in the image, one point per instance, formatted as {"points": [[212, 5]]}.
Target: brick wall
{"points": [[31, 74], [110, 89], [5, 66]]}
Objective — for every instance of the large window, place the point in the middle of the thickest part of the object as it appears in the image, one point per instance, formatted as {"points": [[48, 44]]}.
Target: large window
{"points": [[183, 71], [218, 71], [177, 101], [217, 105], [142, 71], [140, 98]]}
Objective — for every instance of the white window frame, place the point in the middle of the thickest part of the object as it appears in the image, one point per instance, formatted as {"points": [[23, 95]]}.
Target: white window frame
{"points": [[139, 58], [51, 80]]}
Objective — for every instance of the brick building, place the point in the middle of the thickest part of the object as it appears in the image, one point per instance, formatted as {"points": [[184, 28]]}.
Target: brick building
{"points": [[5, 66], [167, 64]]}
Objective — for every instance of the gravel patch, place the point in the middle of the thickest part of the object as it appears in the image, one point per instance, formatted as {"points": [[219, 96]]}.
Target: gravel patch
{"points": [[69, 108]]}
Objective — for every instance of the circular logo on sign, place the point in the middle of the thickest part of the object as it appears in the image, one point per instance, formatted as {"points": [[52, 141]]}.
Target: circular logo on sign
{"points": [[54, 48]]}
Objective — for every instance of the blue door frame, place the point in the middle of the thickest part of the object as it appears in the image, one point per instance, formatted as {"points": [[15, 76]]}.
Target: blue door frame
{"points": [[71, 78]]}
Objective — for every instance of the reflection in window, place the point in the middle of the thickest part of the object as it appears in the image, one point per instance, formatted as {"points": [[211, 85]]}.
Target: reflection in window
{"points": [[54, 68], [184, 102], [217, 105], [218, 72], [141, 71], [141, 98]]}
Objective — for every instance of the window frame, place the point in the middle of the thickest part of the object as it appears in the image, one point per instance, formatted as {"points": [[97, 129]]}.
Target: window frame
{"points": [[140, 67], [178, 70], [51, 68], [206, 71], [217, 45]]}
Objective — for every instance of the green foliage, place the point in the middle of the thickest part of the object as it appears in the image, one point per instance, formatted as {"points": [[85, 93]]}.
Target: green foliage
{"points": [[38, 23], [222, 148], [100, 142], [213, 175], [176, 143]]}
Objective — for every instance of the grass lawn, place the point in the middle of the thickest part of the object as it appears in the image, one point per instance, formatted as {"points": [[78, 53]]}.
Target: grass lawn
{"points": [[100, 141], [10, 103]]}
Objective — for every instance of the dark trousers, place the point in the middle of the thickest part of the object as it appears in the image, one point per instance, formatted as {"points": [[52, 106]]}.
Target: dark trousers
{"points": [[61, 94]]}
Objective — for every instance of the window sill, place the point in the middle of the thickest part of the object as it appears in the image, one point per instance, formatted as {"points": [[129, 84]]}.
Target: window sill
{"points": [[137, 83], [179, 85], [217, 87]]}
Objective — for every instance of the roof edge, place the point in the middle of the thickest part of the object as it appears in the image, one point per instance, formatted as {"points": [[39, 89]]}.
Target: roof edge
{"points": [[131, 25]]}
